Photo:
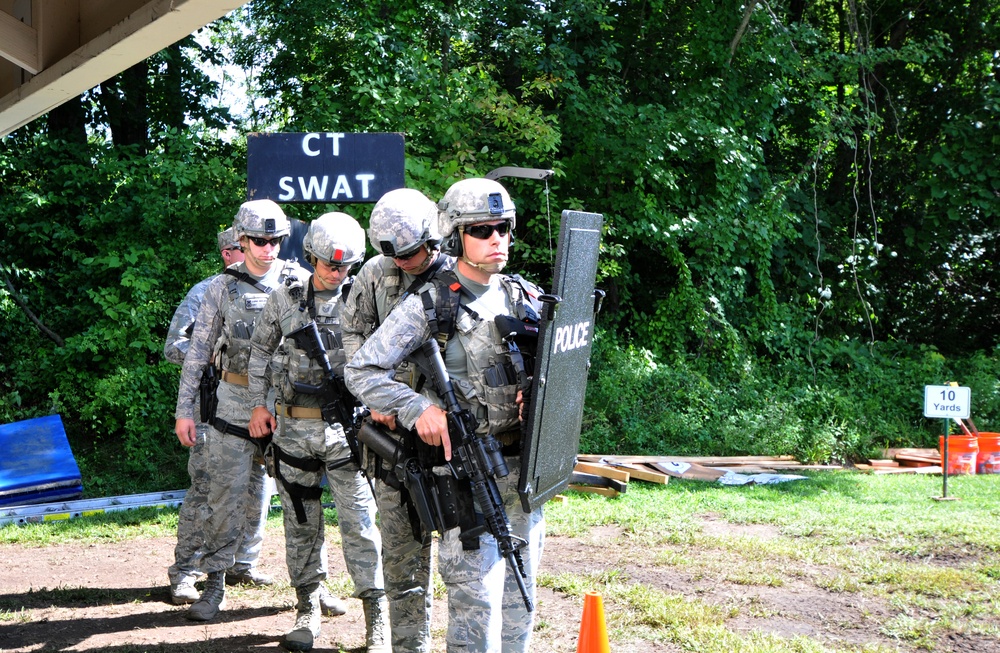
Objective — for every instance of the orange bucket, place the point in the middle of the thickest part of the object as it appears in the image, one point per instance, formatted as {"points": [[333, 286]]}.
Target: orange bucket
{"points": [[962, 450], [988, 460]]}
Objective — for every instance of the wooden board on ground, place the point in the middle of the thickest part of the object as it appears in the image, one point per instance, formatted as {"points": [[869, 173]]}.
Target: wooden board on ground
{"points": [[643, 473], [605, 471], [593, 489], [688, 471]]}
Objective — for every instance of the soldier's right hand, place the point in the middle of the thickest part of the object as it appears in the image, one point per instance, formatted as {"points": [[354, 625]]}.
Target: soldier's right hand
{"points": [[262, 422], [432, 427], [186, 432]]}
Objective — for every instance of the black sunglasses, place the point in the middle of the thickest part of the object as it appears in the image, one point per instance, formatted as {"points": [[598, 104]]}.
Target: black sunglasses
{"points": [[484, 231], [408, 255], [262, 242]]}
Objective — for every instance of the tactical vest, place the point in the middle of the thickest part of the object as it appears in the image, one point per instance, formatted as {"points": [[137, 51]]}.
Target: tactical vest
{"points": [[246, 299], [289, 364], [493, 381]]}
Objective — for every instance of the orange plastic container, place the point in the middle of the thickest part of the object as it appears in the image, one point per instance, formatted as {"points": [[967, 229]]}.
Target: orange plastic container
{"points": [[962, 452], [988, 459]]}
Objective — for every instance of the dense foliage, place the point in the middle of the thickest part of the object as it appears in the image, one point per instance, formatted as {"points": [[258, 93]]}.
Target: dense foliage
{"points": [[801, 203]]}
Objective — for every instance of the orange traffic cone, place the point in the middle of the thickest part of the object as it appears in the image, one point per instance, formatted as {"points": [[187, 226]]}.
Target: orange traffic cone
{"points": [[593, 632]]}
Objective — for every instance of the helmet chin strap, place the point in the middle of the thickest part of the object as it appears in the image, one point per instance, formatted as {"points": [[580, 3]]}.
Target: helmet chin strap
{"points": [[490, 268], [427, 261]]}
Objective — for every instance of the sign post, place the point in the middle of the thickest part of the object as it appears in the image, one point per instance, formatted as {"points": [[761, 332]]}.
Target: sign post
{"points": [[947, 402]]}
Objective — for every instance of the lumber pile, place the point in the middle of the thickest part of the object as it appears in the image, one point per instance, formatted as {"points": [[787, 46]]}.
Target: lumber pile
{"points": [[610, 475], [904, 461]]}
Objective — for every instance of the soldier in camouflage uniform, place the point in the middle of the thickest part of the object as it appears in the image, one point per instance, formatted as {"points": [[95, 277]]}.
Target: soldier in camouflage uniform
{"points": [[184, 571], [237, 491], [304, 445], [403, 227], [476, 218]]}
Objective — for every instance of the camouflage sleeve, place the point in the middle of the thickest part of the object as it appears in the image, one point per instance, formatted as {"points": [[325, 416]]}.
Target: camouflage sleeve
{"points": [[182, 323], [359, 313], [207, 329], [264, 341], [369, 374]]}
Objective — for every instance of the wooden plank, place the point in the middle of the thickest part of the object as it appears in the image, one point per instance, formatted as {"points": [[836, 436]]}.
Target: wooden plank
{"points": [[911, 451], [637, 473], [934, 469], [602, 470], [702, 460], [875, 462], [593, 489], [690, 471]]}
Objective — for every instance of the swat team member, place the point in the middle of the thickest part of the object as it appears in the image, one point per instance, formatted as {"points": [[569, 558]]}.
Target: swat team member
{"points": [[305, 445], [221, 337], [191, 516], [476, 219], [403, 227]]}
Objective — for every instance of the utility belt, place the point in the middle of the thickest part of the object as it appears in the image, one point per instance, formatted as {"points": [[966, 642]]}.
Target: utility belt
{"points": [[236, 379], [298, 412]]}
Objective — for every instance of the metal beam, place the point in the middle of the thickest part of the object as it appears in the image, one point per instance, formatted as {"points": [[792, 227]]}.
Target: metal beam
{"points": [[147, 29]]}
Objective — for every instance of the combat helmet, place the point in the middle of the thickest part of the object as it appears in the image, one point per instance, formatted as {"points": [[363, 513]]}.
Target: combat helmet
{"points": [[262, 219], [334, 238], [403, 220], [468, 202], [228, 239]]}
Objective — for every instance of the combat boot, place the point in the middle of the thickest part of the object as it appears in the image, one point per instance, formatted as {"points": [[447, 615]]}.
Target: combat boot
{"points": [[213, 598], [183, 591], [376, 605], [329, 604], [250, 577], [307, 619]]}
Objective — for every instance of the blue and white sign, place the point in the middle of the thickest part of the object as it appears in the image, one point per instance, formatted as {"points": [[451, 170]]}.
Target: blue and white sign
{"points": [[325, 167], [947, 401]]}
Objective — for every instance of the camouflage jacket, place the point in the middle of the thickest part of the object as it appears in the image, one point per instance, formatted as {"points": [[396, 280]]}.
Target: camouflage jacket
{"points": [[369, 373], [182, 323], [209, 328], [377, 289], [274, 360]]}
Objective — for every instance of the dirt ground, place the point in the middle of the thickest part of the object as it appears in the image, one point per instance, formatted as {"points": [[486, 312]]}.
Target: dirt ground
{"points": [[90, 597]]}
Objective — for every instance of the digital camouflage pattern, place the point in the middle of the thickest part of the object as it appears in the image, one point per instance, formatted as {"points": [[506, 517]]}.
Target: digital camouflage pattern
{"points": [[312, 438], [485, 607], [237, 483], [261, 218], [228, 238], [194, 509], [336, 239], [402, 220], [468, 202], [406, 560]]}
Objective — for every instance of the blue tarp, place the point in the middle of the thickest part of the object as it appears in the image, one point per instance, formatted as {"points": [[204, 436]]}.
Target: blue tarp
{"points": [[36, 463]]}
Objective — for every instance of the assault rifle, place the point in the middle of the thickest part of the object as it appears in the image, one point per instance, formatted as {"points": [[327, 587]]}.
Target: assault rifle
{"points": [[337, 404], [480, 460]]}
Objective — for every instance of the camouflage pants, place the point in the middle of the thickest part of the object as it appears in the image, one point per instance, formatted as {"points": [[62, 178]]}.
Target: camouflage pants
{"points": [[305, 544], [407, 566], [191, 518], [486, 613], [238, 489]]}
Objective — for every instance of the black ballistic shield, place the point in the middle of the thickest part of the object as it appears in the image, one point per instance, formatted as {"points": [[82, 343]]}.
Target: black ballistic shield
{"points": [[552, 430]]}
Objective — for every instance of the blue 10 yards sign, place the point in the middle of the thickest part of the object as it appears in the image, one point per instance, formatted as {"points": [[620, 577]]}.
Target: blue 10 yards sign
{"points": [[946, 401], [328, 167]]}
